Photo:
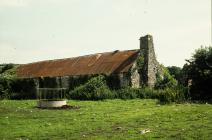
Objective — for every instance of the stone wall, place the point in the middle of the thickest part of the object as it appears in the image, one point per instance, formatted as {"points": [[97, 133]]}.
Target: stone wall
{"points": [[135, 77], [131, 78], [151, 65]]}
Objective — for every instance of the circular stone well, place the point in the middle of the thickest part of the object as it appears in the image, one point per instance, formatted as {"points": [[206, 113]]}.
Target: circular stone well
{"points": [[51, 103]]}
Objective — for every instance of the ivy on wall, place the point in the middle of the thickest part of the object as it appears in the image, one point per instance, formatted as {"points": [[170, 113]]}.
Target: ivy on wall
{"points": [[140, 66]]}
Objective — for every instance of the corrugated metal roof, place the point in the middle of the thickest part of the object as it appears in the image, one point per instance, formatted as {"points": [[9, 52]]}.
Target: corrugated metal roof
{"points": [[101, 63]]}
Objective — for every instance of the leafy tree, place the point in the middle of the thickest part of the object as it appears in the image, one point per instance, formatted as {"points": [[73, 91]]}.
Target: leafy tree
{"points": [[199, 71], [178, 73]]}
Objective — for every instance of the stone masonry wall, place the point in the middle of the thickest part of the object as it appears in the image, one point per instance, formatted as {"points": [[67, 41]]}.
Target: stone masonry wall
{"points": [[151, 64], [135, 77]]}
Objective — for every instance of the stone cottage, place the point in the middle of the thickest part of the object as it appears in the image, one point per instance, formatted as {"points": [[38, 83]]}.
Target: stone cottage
{"points": [[121, 66]]}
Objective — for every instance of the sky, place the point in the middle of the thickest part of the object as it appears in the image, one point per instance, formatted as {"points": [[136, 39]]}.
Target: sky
{"points": [[36, 30]]}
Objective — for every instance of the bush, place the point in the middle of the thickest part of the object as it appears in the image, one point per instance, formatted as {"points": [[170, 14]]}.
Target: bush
{"points": [[165, 80], [127, 93], [94, 89], [168, 95], [5, 88], [147, 93], [17, 88], [7, 77], [23, 89], [97, 89], [132, 93]]}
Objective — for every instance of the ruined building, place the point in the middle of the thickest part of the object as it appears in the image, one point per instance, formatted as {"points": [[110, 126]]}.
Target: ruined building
{"points": [[123, 68]]}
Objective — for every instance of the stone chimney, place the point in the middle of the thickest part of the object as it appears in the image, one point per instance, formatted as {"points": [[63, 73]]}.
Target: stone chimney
{"points": [[148, 77]]}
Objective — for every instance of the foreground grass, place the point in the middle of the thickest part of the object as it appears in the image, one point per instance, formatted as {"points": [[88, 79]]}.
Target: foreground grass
{"points": [[110, 119]]}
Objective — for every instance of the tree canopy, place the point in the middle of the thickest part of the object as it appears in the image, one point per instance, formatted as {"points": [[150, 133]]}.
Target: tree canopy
{"points": [[199, 70]]}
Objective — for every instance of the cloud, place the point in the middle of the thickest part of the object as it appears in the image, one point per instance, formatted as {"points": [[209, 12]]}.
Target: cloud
{"points": [[14, 3]]}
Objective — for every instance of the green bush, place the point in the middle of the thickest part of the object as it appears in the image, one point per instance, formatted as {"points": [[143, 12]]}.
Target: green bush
{"points": [[7, 77], [166, 80], [168, 95], [147, 93], [127, 93], [5, 88], [132, 93], [17, 88], [23, 89], [95, 89]]}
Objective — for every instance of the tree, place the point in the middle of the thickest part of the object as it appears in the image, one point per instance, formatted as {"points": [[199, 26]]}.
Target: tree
{"points": [[199, 70], [177, 73]]}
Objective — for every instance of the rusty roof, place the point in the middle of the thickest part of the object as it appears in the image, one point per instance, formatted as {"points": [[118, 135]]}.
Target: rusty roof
{"points": [[100, 63]]}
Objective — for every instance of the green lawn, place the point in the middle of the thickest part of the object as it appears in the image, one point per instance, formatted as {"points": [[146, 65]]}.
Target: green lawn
{"points": [[110, 119]]}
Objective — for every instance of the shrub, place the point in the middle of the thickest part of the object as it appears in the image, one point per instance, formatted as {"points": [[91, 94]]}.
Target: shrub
{"points": [[168, 95], [165, 80], [17, 88], [23, 89], [127, 93], [7, 77], [147, 93], [94, 89], [5, 88], [97, 89]]}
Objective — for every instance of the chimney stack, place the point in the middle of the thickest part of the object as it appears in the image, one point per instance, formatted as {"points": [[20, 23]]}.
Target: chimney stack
{"points": [[150, 62], [146, 42]]}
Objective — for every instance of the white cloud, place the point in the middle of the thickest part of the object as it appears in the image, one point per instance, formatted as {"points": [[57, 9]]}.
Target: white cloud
{"points": [[14, 3]]}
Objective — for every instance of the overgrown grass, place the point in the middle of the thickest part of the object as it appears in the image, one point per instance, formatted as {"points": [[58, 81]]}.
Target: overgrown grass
{"points": [[109, 119]]}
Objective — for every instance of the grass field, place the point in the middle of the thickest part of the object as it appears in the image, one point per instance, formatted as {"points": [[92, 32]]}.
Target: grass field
{"points": [[110, 119]]}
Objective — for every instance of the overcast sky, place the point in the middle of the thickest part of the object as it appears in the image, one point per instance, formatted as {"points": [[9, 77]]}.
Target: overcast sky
{"points": [[35, 30]]}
